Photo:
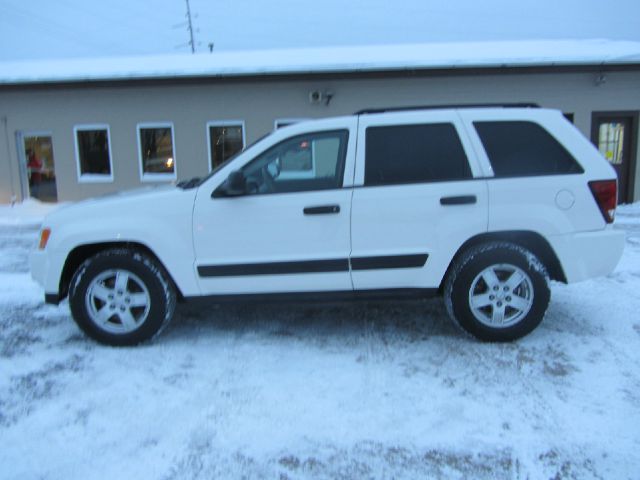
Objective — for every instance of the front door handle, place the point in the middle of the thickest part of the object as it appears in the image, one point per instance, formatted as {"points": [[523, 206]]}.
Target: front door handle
{"points": [[459, 200], [322, 210]]}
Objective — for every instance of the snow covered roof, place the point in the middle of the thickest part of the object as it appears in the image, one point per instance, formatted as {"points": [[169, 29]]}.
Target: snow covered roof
{"points": [[376, 58]]}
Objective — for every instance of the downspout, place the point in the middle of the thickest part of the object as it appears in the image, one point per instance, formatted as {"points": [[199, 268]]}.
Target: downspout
{"points": [[11, 179]]}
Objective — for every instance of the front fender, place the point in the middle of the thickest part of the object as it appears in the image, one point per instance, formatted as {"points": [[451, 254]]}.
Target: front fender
{"points": [[161, 223]]}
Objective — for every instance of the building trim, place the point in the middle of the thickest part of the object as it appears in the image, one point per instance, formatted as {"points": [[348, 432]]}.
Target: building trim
{"points": [[325, 75], [634, 115]]}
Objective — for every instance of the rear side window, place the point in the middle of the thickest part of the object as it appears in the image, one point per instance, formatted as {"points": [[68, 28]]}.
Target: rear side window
{"points": [[402, 154], [524, 149]]}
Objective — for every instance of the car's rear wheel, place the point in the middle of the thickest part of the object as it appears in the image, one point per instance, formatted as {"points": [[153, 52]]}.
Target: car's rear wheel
{"points": [[497, 291], [121, 297]]}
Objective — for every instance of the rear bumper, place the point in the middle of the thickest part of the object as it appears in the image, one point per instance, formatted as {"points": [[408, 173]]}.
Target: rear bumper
{"points": [[589, 254]]}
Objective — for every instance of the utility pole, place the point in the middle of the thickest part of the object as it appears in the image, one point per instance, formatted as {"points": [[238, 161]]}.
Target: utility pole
{"points": [[190, 27]]}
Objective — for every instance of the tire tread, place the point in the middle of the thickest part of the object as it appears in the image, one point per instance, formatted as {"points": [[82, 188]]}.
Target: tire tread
{"points": [[159, 274]]}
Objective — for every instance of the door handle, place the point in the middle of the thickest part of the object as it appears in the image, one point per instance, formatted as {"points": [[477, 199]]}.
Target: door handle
{"points": [[322, 210], [459, 200]]}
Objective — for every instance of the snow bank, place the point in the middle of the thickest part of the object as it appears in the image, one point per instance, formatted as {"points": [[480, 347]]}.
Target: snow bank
{"points": [[29, 212]]}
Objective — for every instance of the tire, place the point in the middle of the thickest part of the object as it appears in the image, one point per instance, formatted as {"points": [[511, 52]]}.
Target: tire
{"points": [[121, 297], [497, 292]]}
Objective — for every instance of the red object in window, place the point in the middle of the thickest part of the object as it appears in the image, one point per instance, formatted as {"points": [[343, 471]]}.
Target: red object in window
{"points": [[34, 165], [605, 193]]}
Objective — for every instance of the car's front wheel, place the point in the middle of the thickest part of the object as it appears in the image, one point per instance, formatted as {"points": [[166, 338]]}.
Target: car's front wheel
{"points": [[121, 297], [497, 291]]}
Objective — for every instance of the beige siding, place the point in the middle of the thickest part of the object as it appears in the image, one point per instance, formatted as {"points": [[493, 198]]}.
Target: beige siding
{"points": [[9, 179], [190, 106]]}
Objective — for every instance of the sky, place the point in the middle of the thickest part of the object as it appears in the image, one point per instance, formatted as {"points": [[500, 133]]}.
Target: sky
{"points": [[35, 29]]}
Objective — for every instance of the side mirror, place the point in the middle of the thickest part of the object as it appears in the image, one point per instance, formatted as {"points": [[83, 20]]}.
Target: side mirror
{"points": [[235, 185]]}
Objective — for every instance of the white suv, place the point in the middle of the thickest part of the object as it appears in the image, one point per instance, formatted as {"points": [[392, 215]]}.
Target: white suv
{"points": [[481, 205]]}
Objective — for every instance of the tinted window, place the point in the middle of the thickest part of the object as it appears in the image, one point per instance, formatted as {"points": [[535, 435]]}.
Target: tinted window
{"points": [[93, 151], [414, 154], [313, 161], [225, 141], [524, 149], [156, 149]]}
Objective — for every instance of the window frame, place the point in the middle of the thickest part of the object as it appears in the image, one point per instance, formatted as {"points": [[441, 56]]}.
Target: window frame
{"points": [[157, 177], [544, 128], [92, 177], [417, 123], [343, 152], [223, 123], [457, 118]]}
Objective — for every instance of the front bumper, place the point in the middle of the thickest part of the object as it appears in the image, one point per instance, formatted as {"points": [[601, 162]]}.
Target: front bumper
{"points": [[40, 266]]}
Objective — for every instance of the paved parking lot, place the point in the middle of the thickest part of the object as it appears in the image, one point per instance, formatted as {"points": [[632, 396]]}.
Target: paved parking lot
{"points": [[368, 390]]}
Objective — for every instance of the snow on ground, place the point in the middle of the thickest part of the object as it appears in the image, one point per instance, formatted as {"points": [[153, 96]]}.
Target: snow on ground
{"points": [[368, 390], [29, 212]]}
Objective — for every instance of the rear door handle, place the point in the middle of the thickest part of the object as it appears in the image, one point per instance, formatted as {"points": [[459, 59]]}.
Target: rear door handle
{"points": [[459, 200], [322, 210]]}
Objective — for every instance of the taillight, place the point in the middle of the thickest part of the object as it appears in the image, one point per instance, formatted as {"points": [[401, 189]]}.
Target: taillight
{"points": [[606, 194]]}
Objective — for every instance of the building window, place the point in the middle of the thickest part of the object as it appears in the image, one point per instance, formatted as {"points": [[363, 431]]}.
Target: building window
{"points": [[423, 153], [156, 151], [225, 140], [93, 153], [611, 141]]}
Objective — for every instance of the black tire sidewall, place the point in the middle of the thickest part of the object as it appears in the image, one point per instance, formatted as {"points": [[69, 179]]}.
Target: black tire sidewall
{"points": [[136, 264], [479, 260]]}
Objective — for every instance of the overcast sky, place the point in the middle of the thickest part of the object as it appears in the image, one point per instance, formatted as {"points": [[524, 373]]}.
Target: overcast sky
{"points": [[32, 29]]}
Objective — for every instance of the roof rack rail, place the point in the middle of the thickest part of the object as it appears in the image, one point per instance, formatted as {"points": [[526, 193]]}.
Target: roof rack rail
{"points": [[369, 111]]}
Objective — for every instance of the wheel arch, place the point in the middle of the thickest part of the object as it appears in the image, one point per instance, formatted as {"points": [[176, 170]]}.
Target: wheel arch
{"points": [[79, 254], [530, 240]]}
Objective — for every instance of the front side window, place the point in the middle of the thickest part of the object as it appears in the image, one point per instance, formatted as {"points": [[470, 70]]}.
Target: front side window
{"points": [[520, 148], [157, 160], [306, 162], [225, 140], [404, 154], [93, 150]]}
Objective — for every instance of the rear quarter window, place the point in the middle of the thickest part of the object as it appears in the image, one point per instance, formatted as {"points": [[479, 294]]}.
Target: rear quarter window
{"points": [[403, 154], [520, 148]]}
